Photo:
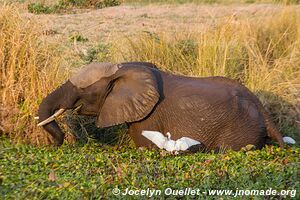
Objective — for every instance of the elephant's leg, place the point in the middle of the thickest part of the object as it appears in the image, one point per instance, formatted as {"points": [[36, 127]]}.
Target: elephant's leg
{"points": [[242, 136], [245, 126]]}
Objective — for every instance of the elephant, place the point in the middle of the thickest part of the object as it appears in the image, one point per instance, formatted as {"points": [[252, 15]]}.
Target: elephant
{"points": [[219, 112]]}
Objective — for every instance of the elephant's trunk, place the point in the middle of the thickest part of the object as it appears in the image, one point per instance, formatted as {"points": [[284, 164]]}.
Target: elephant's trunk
{"points": [[63, 97]]}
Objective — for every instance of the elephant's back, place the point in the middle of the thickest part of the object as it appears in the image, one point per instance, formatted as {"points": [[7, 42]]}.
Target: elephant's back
{"points": [[194, 92]]}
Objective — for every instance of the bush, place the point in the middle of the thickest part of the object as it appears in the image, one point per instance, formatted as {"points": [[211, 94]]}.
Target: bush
{"points": [[39, 8], [76, 37], [92, 3], [98, 53], [63, 5]]}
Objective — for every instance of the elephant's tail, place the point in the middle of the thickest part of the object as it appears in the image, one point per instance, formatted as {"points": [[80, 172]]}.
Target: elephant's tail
{"points": [[272, 131]]}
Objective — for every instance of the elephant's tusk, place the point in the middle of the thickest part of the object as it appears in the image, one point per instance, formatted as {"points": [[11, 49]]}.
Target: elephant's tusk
{"points": [[52, 117], [77, 108]]}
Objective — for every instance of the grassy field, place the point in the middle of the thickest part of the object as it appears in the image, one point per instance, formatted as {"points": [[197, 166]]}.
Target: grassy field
{"points": [[259, 45]]}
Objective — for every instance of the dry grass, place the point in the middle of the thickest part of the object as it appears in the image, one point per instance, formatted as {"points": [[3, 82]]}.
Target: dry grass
{"points": [[29, 71], [262, 53]]}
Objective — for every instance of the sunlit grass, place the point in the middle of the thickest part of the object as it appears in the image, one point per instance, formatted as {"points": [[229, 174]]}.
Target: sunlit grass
{"points": [[29, 71]]}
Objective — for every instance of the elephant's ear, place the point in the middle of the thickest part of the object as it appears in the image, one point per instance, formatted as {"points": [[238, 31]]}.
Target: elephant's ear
{"points": [[134, 93]]}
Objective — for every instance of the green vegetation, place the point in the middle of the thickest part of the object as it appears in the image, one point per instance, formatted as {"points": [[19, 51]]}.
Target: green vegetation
{"points": [[98, 53], [92, 3], [39, 8], [64, 5], [76, 37], [93, 170]]}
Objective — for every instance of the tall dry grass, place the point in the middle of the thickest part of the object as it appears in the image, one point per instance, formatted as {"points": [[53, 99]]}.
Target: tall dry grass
{"points": [[29, 71], [262, 53]]}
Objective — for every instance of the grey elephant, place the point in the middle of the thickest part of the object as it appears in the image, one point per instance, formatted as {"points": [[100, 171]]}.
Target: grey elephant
{"points": [[216, 111]]}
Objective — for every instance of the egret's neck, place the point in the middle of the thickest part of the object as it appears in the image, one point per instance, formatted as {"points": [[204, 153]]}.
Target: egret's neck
{"points": [[169, 135]]}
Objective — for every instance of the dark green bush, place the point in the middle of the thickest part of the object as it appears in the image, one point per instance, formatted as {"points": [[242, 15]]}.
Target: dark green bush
{"points": [[92, 3], [99, 53], [76, 37], [62, 5], [288, 2], [39, 8], [109, 3]]}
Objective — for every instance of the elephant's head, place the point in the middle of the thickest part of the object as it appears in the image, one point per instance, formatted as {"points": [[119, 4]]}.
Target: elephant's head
{"points": [[115, 93]]}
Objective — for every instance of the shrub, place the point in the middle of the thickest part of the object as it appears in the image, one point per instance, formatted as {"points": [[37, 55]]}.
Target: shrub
{"points": [[63, 5], [76, 37], [92, 3], [39, 8], [99, 53]]}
